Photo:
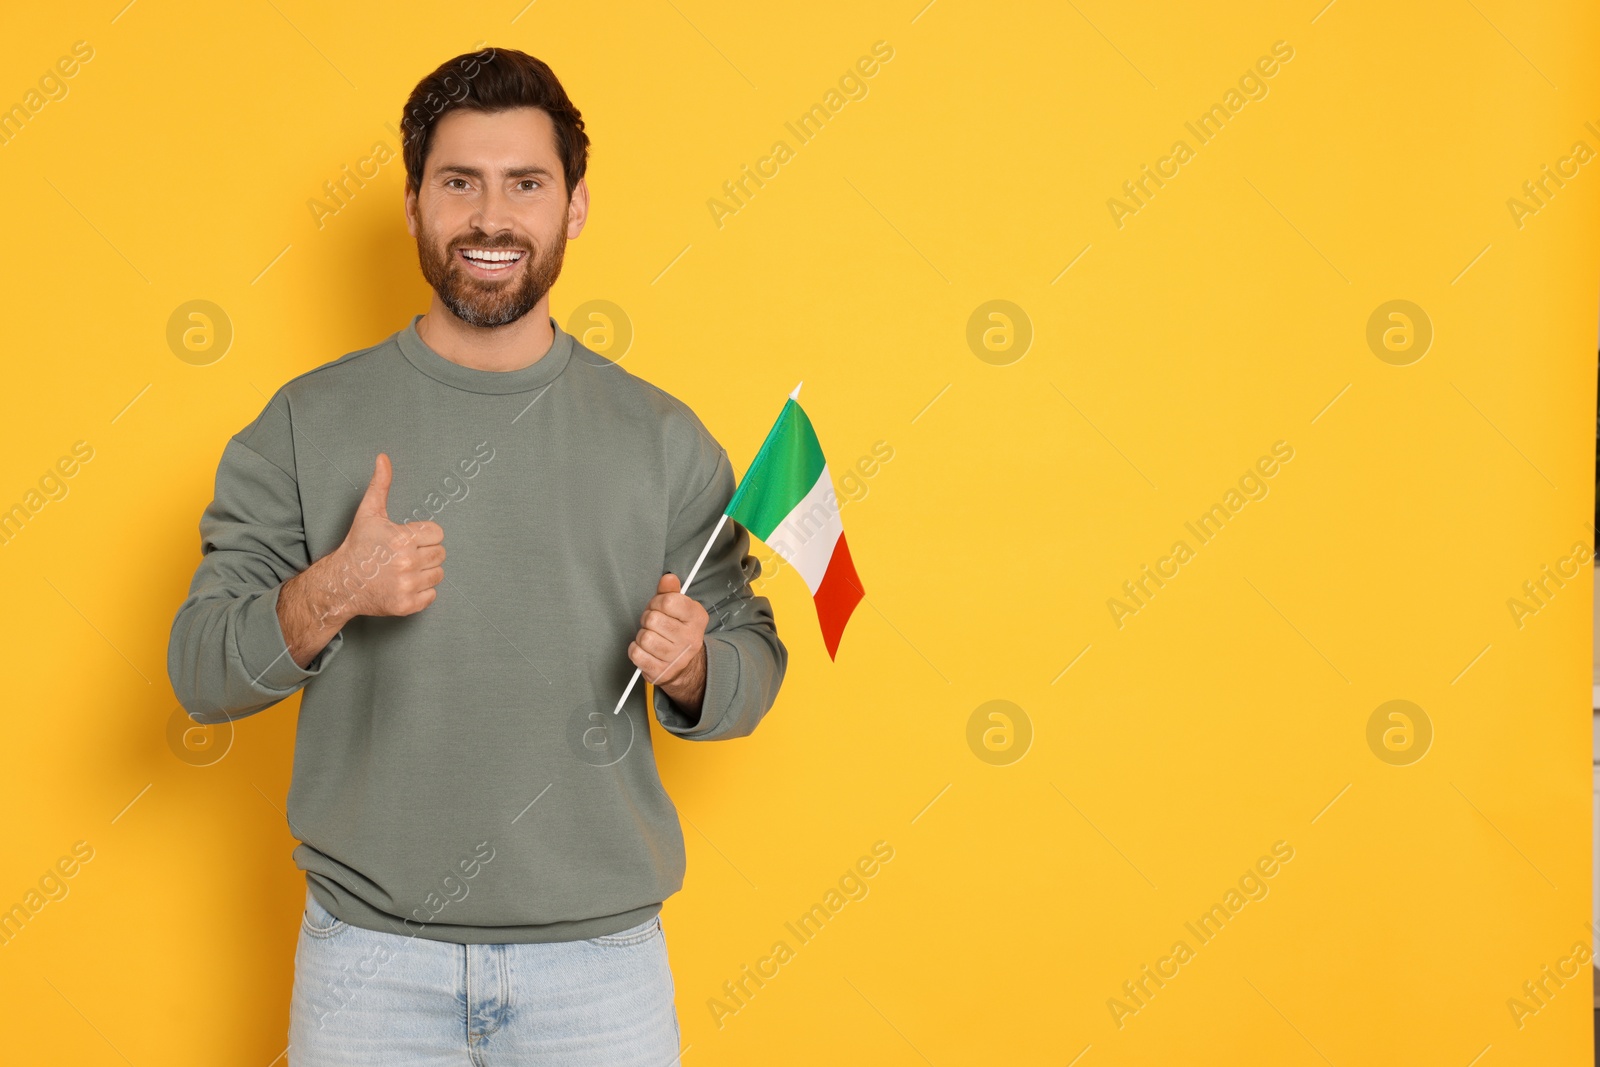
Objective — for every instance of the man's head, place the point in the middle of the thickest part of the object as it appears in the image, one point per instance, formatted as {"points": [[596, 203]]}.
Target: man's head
{"points": [[495, 157]]}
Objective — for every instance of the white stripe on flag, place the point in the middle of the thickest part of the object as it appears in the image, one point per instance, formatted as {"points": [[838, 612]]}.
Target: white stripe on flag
{"points": [[808, 533]]}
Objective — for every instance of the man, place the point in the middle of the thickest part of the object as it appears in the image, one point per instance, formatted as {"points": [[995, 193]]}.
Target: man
{"points": [[486, 846]]}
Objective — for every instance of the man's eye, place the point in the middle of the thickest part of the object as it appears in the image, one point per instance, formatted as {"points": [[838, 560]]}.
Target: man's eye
{"points": [[528, 181]]}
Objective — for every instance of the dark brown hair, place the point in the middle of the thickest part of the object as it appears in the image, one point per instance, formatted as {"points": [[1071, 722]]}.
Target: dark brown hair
{"points": [[494, 79]]}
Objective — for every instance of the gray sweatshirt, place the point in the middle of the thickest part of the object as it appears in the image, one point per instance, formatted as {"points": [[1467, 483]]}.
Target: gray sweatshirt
{"points": [[458, 773]]}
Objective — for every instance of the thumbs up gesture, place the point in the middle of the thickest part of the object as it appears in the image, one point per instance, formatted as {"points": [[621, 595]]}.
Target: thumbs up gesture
{"points": [[670, 646], [389, 568]]}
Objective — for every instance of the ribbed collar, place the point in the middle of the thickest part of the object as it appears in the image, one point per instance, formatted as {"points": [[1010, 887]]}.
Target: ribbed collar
{"points": [[539, 373]]}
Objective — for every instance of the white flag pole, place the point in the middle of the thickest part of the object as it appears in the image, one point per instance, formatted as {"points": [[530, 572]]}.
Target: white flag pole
{"points": [[685, 587]]}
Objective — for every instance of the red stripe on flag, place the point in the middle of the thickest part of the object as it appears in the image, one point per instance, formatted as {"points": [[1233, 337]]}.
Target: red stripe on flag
{"points": [[837, 595]]}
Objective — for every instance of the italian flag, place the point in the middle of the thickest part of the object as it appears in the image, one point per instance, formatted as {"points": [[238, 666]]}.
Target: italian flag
{"points": [[786, 499]]}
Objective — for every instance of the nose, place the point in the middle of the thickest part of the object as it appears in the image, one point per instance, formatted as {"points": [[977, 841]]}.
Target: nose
{"points": [[493, 216]]}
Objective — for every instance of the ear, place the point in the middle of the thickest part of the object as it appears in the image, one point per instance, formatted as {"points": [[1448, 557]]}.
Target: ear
{"points": [[578, 208]]}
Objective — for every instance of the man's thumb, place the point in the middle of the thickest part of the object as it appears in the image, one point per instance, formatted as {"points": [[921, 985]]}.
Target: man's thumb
{"points": [[376, 498], [668, 583]]}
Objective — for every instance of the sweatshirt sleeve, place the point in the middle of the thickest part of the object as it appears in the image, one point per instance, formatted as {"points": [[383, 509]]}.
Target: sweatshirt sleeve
{"points": [[745, 660], [227, 656]]}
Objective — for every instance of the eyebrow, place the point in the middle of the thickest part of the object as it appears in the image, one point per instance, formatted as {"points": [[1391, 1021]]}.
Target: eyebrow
{"points": [[513, 172]]}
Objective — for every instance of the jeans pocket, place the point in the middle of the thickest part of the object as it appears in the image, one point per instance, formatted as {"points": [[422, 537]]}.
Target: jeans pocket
{"points": [[633, 935], [318, 921]]}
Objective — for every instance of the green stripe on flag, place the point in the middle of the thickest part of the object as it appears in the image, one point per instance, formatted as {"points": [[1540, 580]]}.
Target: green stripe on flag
{"points": [[787, 466]]}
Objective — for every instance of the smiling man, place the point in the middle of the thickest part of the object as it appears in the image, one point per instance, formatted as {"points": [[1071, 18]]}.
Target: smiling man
{"points": [[486, 847]]}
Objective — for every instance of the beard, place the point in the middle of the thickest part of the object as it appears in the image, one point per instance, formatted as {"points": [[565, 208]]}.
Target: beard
{"points": [[483, 302]]}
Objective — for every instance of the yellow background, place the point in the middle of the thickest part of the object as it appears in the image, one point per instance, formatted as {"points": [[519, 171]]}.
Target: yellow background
{"points": [[1227, 314]]}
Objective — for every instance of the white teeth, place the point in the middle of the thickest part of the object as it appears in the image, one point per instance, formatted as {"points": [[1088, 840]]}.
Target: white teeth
{"points": [[479, 256]]}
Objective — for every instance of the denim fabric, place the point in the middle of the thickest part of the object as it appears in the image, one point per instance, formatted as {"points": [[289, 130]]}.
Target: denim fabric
{"points": [[364, 998]]}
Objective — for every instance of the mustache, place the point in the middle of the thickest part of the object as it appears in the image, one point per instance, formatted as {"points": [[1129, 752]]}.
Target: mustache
{"points": [[511, 244]]}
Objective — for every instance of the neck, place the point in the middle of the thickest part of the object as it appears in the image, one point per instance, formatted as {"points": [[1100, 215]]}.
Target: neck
{"points": [[495, 348]]}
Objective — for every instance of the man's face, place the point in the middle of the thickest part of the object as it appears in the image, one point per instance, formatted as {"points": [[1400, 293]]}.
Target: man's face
{"points": [[493, 185]]}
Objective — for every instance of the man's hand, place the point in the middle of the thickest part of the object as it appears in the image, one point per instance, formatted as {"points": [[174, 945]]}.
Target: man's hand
{"points": [[395, 566], [670, 646], [381, 568]]}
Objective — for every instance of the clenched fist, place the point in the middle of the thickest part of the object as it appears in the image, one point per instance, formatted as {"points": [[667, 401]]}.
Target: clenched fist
{"points": [[670, 646]]}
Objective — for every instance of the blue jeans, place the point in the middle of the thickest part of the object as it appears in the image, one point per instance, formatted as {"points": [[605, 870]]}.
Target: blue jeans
{"points": [[363, 998]]}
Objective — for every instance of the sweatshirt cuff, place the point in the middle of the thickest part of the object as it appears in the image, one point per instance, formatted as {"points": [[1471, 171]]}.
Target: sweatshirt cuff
{"points": [[722, 681], [264, 650]]}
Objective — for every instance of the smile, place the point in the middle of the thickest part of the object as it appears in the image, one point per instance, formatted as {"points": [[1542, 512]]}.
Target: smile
{"points": [[491, 261]]}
